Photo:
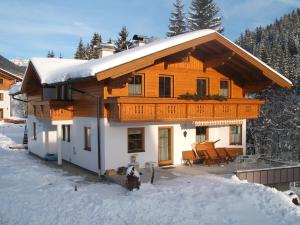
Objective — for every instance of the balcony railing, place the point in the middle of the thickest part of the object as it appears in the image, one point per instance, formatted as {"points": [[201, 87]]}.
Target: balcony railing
{"points": [[53, 110], [132, 109]]}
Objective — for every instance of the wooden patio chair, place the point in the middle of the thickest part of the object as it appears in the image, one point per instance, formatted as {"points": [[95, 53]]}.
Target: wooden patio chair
{"points": [[224, 155], [189, 157], [208, 150], [234, 152]]}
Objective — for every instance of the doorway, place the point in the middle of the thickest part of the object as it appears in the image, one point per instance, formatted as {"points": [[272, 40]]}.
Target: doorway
{"points": [[165, 146]]}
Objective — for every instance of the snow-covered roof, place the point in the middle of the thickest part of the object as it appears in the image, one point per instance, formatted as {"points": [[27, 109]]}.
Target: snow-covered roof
{"points": [[54, 70], [15, 88], [14, 76]]}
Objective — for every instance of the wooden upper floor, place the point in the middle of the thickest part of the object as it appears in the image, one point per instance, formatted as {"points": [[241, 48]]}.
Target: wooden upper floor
{"points": [[180, 91], [204, 79]]}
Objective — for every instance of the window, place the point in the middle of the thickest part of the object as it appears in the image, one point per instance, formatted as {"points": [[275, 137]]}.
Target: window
{"points": [[201, 134], [49, 92], [87, 138], [135, 85], [59, 92], [1, 96], [224, 88], [34, 130], [235, 135], [165, 87], [135, 140], [202, 87], [1, 81], [66, 133]]}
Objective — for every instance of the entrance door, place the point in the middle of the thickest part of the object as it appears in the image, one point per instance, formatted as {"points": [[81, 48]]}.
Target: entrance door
{"points": [[165, 152], [1, 114]]}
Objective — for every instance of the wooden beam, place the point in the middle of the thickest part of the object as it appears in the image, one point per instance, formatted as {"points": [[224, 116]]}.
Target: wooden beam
{"points": [[218, 60], [236, 77], [255, 87], [268, 72]]}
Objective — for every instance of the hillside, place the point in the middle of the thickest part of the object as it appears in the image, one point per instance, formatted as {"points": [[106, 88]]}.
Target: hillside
{"points": [[11, 67], [277, 132]]}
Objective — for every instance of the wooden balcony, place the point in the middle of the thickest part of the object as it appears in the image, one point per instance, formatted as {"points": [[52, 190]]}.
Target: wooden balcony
{"points": [[53, 110], [132, 109]]}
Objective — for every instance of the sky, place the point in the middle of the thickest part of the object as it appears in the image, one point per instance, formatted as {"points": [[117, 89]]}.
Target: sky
{"points": [[33, 27]]}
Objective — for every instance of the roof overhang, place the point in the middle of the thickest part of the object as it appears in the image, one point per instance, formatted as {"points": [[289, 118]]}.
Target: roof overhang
{"points": [[53, 71], [10, 75], [150, 59]]}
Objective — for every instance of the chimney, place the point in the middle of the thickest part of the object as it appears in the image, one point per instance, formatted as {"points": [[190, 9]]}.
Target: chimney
{"points": [[139, 40], [106, 49]]}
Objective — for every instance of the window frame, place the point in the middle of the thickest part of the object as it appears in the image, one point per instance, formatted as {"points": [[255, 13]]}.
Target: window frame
{"points": [[63, 132], [207, 85], [142, 85], [229, 88], [171, 85], [68, 133], [34, 131], [231, 142], [206, 134], [86, 137], [66, 128], [142, 129]]}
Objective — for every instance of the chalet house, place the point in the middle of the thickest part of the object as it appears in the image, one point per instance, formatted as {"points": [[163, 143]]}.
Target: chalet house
{"points": [[155, 101], [7, 79]]}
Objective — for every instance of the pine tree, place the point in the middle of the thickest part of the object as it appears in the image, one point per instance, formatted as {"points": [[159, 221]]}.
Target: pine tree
{"points": [[95, 41], [110, 41], [50, 54], [60, 55], [177, 23], [122, 43], [87, 52], [80, 52], [277, 132], [203, 14]]}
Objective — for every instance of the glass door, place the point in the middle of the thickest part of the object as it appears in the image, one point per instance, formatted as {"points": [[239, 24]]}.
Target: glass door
{"points": [[165, 156]]}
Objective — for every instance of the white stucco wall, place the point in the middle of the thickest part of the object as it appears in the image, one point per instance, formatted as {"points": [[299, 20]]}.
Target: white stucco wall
{"points": [[5, 104], [46, 137], [115, 141], [74, 151]]}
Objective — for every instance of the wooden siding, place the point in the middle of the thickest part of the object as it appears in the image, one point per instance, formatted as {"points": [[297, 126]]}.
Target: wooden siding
{"points": [[185, 73], [53, 110], [161, 109], [6, 82]]}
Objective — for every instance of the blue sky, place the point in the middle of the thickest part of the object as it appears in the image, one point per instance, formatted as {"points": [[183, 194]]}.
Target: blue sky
{"points": [[30, 28]]}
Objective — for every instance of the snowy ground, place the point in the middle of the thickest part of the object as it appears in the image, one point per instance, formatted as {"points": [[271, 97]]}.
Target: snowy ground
{"points": [[33, 193]]}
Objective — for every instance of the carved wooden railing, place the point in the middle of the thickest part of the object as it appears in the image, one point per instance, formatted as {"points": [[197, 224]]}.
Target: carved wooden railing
{"points": [[132, 109], [53, 110]]}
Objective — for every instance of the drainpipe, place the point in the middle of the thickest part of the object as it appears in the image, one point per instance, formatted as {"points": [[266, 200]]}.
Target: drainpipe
{"points": [[98, 124]]}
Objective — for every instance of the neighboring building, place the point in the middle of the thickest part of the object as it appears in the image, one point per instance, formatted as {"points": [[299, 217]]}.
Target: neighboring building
{"points": [[97, 113], [7, 79]]}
